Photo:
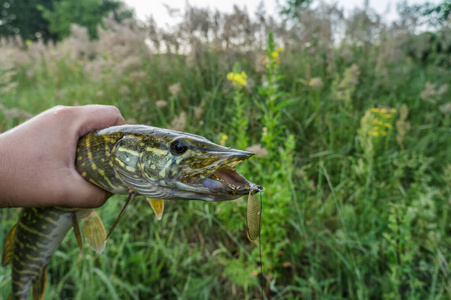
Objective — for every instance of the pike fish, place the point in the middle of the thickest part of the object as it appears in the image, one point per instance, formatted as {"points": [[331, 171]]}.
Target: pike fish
{"points": [[159, 164]]}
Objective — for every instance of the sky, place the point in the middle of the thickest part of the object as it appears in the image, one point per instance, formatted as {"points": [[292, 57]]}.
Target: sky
{"points": [[156, 8]]}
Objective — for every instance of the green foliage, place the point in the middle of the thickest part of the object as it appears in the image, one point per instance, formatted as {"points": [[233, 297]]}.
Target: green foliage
{"points": [[51, 20], [432, 13], [240, 121], [86, 13], [442, 10], [23, 17], [352, 143], [292, 7]]}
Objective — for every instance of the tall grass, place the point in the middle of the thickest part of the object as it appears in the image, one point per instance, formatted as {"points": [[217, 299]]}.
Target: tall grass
{"points": [[352, 142]]}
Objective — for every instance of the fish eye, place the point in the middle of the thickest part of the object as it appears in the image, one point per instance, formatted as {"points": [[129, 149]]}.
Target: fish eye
{"points": [[178, 147]]}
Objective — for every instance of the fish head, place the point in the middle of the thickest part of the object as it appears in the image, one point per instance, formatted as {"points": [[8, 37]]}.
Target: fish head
{"points": [[186, 166]]}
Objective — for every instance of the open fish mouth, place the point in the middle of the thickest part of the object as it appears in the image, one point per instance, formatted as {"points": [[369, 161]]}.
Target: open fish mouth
{"points": [[227, 180], [231, 179], [216, 179]]}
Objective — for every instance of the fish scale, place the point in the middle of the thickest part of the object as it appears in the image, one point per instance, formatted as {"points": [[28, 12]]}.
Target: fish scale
{"points": [[98, 167], [38, 233], [159, 164]]}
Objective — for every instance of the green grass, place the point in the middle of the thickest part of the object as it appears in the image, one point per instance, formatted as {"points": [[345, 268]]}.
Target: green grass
{"points": [[345, 214]]}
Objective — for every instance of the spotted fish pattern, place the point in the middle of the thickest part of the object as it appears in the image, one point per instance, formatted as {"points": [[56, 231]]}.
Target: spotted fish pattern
{"points": [[37, 235]]}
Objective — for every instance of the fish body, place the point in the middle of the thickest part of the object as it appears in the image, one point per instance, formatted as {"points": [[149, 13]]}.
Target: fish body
{"points": [[159, 164], [38, 234]]}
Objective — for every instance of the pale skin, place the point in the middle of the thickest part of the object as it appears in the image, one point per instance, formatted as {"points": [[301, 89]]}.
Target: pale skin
{"points": [[37, 158]]}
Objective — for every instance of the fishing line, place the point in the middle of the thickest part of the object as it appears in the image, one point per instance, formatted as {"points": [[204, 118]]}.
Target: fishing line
{"points": [[260, 246]]}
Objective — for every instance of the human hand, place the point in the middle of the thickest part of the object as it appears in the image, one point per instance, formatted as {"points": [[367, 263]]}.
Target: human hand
{"points": [[37, 158]]}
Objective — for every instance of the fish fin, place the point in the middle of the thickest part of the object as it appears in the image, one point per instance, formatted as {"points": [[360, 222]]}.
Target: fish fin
{"points": [[39, 284], [157, 206], [131, 196], [8, 252], [77, 232], [94, 231]]}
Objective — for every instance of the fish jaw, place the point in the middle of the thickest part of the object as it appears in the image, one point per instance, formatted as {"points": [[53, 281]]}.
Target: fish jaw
{"points": [[217, 182]]}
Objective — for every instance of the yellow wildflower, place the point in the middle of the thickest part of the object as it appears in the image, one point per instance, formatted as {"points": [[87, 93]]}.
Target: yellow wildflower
{"points": [[274, 54], [280, 49], [239, 78], [388, 125], [375, 133], [375, 110]]}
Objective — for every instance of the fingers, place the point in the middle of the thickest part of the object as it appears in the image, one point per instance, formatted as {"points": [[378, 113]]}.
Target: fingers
{"points": [[91, 118], [80, 193], [88, 117], [83, 119], [94, 117]]}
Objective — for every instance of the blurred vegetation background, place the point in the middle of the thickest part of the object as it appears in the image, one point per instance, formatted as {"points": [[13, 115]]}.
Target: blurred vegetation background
{"points": [[349, 118]]}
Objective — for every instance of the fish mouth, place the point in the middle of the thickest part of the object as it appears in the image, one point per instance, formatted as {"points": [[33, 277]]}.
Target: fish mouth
{"points": [[220, 181], [227, 179]]}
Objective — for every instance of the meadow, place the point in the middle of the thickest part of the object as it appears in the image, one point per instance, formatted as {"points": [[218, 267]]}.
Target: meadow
{"points": [[350, 120]]}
